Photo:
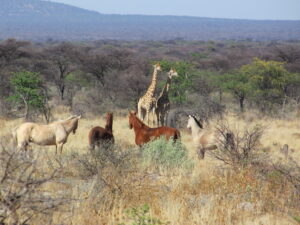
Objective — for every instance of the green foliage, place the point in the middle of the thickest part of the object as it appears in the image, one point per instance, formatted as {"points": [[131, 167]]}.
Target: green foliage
{"points": [[181, 84], [165, 154], [269, 81], [263, 82], [74, 78], [28, 90], [141, 216], [237, 83], [296, 218]]}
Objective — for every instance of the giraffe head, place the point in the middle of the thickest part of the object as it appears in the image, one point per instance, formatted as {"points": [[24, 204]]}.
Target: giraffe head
{"points": [[172, 73], [157, 67]]}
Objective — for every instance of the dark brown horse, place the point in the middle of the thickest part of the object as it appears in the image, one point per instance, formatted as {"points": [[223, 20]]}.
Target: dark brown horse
{"points": [[144, 134], [100, 136]]}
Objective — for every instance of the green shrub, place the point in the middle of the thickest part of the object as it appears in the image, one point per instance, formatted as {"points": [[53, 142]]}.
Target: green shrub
{"points": [[165, 154]]}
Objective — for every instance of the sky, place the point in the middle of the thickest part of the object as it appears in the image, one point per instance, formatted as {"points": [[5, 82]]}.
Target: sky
{"points": [[241, 9]]}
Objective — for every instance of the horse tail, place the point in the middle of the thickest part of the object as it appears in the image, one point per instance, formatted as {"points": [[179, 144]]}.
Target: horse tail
{"points": [[177, 135], [91, 139]]}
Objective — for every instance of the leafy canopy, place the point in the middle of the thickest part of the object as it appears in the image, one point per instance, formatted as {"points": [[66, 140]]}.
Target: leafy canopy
{"points": [[27, 89]]}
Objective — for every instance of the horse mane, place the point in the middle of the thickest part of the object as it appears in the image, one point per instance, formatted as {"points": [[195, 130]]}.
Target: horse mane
{"points": [[197, 122], [71, 117], [141, 124]]}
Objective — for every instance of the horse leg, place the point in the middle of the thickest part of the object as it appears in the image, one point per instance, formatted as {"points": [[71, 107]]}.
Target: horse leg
{"points": [[60, 147], [201, 153], [92, 146]]}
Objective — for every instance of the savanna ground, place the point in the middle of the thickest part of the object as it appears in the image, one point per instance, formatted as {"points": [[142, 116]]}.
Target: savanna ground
{"points": [[115, 188]]}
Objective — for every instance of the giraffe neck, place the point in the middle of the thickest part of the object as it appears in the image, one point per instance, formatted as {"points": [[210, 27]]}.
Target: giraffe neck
{"points": [[151, 88], [166, 88]]}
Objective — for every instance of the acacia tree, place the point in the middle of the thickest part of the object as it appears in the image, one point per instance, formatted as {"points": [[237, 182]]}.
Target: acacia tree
{"points": [[269, 82], [62, 59], [237, 84], [264, 82], [28, 91]]}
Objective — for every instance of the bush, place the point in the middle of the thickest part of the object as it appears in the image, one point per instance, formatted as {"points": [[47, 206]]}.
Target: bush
{"points": [[141, 216], [23, 193], [235, 148], [165, 154]]}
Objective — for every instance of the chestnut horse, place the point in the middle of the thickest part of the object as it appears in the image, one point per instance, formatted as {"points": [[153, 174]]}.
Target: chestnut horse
{"points": [[100, 136], [144, 134]]}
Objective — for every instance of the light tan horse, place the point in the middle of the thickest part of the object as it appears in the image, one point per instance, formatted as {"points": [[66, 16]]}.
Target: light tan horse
{"points": [[55, 133], [204, 139]]}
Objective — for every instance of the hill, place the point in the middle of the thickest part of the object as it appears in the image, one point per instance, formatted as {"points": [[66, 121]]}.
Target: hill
{"points": [[43, 20]]}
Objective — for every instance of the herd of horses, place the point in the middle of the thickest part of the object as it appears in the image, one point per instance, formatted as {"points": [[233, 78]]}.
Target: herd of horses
{"points": [[56, 133]]}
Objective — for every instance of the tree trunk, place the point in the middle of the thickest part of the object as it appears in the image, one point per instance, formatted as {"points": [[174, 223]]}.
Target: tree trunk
{"points": [[242, 98], [62, 91], [26, 107], [220, 95], [284, 103]]}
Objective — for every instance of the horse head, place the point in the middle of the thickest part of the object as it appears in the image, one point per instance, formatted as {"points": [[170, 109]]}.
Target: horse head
{"points": [[75, 123], [193, 121], [109, 122], [131, 117]]}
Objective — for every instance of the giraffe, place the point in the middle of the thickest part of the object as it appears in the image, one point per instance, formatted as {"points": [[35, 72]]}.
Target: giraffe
{"points": [[162, 106], [146, 104]]}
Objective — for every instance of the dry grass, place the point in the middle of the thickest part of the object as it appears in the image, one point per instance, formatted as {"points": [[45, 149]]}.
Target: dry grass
{"points": [[209, 194]]}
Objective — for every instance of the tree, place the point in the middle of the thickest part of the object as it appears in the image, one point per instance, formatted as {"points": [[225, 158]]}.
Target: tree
{"points": [[264, 82], [269, 82], [62, 58], [28, 90], [237, 84]]}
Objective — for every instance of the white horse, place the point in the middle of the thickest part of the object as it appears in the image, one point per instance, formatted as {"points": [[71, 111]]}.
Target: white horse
{"points": [[204, 139], [55, 133]]}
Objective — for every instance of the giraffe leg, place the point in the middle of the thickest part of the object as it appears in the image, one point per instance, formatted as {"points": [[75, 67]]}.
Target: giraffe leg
{"points": [[166, 118], [139, 110], [157, 116], [162, 119], [154, 119], [147, 116]]}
